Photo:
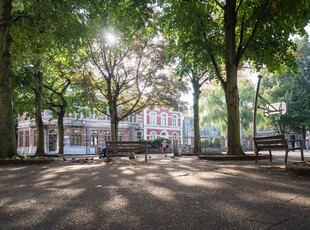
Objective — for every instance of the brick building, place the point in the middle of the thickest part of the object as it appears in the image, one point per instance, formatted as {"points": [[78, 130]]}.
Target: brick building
{"points": [[83, 135]]}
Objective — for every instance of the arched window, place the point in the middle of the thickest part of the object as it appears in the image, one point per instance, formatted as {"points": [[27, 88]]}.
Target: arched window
{"points": [[164, 134], [152, 135], [174, 136]]}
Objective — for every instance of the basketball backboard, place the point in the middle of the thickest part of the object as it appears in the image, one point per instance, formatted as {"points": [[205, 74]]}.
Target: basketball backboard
{"points": [[275, 108]]}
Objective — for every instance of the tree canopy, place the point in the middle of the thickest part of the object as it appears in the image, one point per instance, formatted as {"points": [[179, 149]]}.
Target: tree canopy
{"points": [[293, 88], [233, 32]]}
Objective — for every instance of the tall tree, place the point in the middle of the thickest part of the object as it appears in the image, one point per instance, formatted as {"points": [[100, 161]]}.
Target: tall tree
{"points": [[213, 105], [235, 31], [197, 78], [127, 55], [294, 89], [40, 32], [7, 127]]}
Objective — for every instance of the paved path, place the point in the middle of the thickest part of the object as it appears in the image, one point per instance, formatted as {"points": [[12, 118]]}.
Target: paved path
{"points": [[164, 193]]}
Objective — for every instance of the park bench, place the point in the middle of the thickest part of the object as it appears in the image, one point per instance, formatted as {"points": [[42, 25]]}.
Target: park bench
{"points": [[114, 147], [277, 142]]}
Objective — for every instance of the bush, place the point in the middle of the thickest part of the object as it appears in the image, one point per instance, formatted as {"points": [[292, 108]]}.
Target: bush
{"points": [[157, 142], [216, 143], [205, 143]]}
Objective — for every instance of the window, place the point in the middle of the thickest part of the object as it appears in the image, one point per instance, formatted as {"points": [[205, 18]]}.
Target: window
{"points": [[27, 138], [133, 118], [94, 138], [120, 136], [164, 119], [152, 136], [106, 117], [21, 138], [152, 118], [164, 134], [106, 135], [174, 120], [75, 137], [139, 135], [174, 136], [91, 115]]}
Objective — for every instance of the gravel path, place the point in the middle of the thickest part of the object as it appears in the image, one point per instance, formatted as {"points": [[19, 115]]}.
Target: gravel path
{"points": [[163, 193]]}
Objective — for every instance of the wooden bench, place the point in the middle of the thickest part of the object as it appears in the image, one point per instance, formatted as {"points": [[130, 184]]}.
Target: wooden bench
{"points": [[114, 147], [276, 142]]}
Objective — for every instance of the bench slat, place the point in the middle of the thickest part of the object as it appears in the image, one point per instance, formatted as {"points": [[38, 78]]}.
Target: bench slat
{"points": [[127, 146], [275, 142]]}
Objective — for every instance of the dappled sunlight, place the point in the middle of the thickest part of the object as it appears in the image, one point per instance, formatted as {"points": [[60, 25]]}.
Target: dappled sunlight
{"points": [[116, 203], [202, 180], [127, 170], [283, 198], [78, 215], [160, 193], [136, 193]]}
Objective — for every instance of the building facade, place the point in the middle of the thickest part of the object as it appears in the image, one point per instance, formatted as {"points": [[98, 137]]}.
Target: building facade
{"points": [[83, 135]]}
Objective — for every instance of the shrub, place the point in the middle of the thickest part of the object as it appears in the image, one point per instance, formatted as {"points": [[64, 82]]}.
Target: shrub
{"points": [[216, 142], [157, 142]]}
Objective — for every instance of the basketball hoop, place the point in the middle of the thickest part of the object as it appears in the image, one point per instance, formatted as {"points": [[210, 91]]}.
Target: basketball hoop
{"points": [[278, 108]]}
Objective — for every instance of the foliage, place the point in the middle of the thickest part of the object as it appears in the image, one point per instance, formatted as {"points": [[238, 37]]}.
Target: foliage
{"points": [[216, 142], [211, 143], [214, 107], [294, 90], [7, 131], [234, 32], [124, 75], [158, 142]]}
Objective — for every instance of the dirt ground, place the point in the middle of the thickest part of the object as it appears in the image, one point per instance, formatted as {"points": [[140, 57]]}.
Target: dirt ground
{"points": [[163, 193]]}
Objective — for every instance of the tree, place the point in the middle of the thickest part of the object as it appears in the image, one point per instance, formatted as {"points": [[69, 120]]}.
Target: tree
{"points": [[39, 33], [237, 31], [213, 105], [7, 126], [127, 57], [292, 88], [197, 78]]}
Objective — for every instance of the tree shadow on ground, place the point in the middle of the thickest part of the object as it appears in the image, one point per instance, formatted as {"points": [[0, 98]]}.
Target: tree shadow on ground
{"points": [[164, 193]]}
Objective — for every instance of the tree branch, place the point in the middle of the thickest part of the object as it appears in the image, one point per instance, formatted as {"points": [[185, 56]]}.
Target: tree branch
{"points": [[219, 4], [242, 50]]}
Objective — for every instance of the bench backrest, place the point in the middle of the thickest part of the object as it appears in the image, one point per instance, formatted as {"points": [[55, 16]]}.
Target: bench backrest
{"points": [[271, 142], [126, 146]]}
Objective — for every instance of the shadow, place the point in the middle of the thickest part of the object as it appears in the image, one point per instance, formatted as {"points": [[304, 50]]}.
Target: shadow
{"points": [[163, 193]]}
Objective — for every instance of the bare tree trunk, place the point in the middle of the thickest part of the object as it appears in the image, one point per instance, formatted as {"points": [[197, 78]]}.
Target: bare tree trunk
{"points": [[61, 134], [38, 113], [231, 90], [7, 127], [197, 141], [114, 124]]}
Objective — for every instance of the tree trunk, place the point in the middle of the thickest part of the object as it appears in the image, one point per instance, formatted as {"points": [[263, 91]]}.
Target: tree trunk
{"points": [[197, 141], [38, 113], [61, 134], [61, 115], [231, 87], [7, 127], [114, 124]]}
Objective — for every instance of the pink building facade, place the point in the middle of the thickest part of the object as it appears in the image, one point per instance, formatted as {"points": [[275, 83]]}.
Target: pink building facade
{"points": [[83, 135], [163, 123]]}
